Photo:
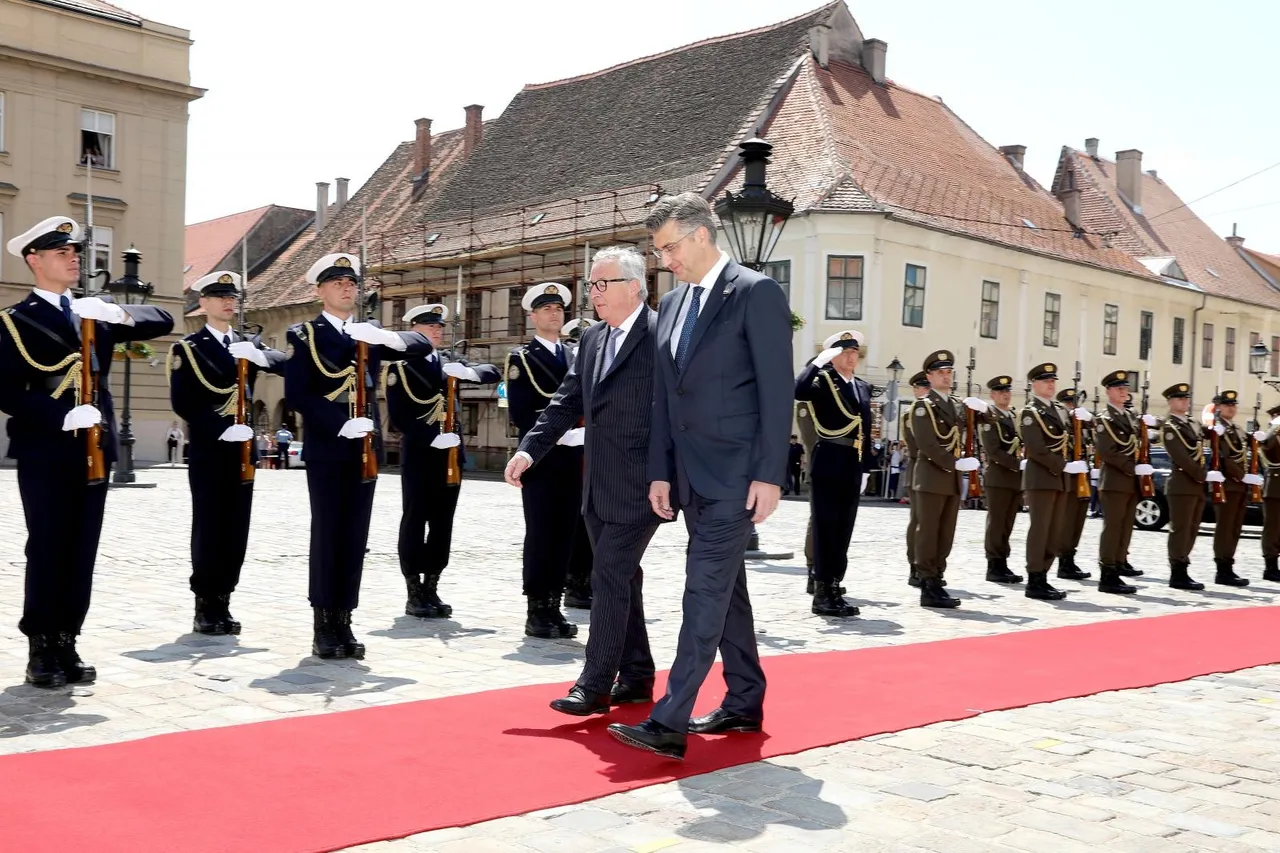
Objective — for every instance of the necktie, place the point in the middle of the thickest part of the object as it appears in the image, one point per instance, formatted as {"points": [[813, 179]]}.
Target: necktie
{"points": [[686, 331], [226, 341], [611, 349], [560, 356], [66, 309]]}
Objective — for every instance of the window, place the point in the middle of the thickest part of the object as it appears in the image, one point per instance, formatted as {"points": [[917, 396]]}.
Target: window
{"points": [[1275, 356], [472, 325], [1179, 335], [103, 238], [844, 288], [1230, 350], [516, 322], [780, 271], [469, 419], [98, 139], [1146, 328], [1052, 318], [397, 315], [1206, 356], [990, 322], [1110, 328], [913, 297]]}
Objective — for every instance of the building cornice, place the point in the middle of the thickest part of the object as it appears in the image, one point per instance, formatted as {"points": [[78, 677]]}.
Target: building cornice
{"points": [[142, 81]]}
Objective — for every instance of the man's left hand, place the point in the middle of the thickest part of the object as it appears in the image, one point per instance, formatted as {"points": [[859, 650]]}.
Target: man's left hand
{"points": [[763, 498]]}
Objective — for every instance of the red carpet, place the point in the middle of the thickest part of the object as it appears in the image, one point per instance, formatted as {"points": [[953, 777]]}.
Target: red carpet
{"points": [[325, 782]]}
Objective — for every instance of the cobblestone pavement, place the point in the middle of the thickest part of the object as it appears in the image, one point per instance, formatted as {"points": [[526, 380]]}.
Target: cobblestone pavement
{"points": [[1181, 767]]}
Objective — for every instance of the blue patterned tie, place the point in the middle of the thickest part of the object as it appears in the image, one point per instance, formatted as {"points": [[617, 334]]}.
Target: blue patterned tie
{"points": [[611, 350], [686, 331], [560, 356], [66, 310]]}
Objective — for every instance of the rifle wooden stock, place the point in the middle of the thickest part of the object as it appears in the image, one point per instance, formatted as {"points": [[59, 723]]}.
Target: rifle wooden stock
{"points": [[246, 448], [1145, 486], [1255, 492], [96, 465], [1083, 491], [452, 471], [970, 440], [1216, 491], [368, 456]]}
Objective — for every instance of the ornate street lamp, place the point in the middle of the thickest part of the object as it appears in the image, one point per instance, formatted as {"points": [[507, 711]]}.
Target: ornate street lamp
{"points": [[130, 290]]}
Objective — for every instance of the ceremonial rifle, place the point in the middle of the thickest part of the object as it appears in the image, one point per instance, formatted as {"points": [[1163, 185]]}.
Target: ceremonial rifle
{"points": [[1083, 492], [243, 413], [1216, 491], [973, 477], [1145, 485], [368, 453], [96, 465], [1255, 492]]}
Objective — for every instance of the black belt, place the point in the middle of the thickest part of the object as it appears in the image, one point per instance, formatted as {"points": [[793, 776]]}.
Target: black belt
{"points": [[844, 442], [47, 383]]}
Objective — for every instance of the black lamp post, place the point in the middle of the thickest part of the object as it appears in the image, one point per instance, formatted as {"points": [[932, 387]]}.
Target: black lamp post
{"points": [[1258, 357], [130, 290], [753, 220]]}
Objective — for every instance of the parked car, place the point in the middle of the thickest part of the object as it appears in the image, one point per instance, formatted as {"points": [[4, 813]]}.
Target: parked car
{"points": [[1153, 512], [295, 455]]}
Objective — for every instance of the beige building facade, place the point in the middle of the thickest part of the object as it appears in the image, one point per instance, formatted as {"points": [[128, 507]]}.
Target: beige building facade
{"points": [[94, 100]]}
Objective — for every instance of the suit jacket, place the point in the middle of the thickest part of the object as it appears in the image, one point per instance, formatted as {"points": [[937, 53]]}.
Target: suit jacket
{"points": [[938, 432], [831, 401], [533, 375], [725, 421], [618, 409], [37, 401], [1046, 432], [415, 388], [319, 384], [1183, 440], [1117, 442], [1000, 442]]}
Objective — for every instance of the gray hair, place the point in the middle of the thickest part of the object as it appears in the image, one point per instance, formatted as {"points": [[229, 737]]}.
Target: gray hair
{"points": [[689, 210], [630, 261]]}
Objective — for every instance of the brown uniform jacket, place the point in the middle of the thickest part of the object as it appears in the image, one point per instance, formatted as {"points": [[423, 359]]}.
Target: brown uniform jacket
{"points": [[1183, 440], [1000, 443], [1045, 428], [1269, 465], [1233, 450], [938, 434], [1117, 441]]}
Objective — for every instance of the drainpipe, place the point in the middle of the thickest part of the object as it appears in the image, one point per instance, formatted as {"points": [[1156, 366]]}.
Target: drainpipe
{"points": [[1195, 338]]}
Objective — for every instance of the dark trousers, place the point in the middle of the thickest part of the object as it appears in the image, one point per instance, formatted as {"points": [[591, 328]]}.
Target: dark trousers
{"points": [[793, 478], [619, 642], [174, 456], [835, 480], [1229, 519], [1271, 527], [1002, 512], [1048, 516], [552, 500], [581, 559], [282, 455], [913, 522], [64, 522], [428, 505], [340, 509], [1118, 508], [935, 531], [716, 615], [1074, 513], [1185, 512], [220, 509]]}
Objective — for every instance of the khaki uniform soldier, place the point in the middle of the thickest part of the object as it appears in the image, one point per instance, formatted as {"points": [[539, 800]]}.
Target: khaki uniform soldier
{"points": [[1119, 444], [1045, 427], [1233, 452], [1183, 440], [1002, 478], [936, 470], [1269, 447], [1075, 510], [920, 387]]}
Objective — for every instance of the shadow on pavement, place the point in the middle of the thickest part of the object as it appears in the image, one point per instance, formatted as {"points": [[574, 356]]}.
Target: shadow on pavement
{"points": [[27, 710]]}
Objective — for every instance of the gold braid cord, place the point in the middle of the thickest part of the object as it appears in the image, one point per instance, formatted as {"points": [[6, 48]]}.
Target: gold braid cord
{"points": [[435, 414], [855, 420], [233, 393], [347, 374], [532, 381], [72, 377], [1128, 446], [949, 439], [1237, 450], [1056, 442], [1012, 445], [1196, 447]]}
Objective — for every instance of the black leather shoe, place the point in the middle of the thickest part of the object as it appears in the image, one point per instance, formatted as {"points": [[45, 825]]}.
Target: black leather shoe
{"points": [[998, 572], [720, 721], [43, 669], [326, 642], [1109, 581], [353, 647], [1226, 575], [1038, 588], [1179, 579], [1128, 571], [579, 703], [229, 623], [828, 601], [1272, 571], [75, 670], [631, 694], [1068, 570], [207, 619], [933, 595], [577, 599], [652, 737]]}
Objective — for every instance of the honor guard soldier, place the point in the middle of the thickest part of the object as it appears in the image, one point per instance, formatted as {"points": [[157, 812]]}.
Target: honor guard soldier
{"points": [[1118, 446], [41, 376], [1233, 449], [1269, 447], [919, 388], [1003, 478], [938, 464], [204, 391], [1183, 440], [1045, 428], [577, 593], [840, 407], [1075, 509], [416, 392], [552, 493], [320, 384]]}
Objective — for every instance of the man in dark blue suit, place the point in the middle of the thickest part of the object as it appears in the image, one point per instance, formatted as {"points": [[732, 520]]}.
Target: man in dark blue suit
{"points": [[722, 417], [203, 391], [40, 374]]}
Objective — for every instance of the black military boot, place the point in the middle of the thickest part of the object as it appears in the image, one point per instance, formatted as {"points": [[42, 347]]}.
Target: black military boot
{"points": [[431, 598], [998, 572], [76, 670], [933, 595], [829, 601], [1109, 580], [353, 647], [1068, 570], [1226, 575], [1127, 570], [808, 587], [207, 619], [913, 577], [578, 595], [540, 623], [1272, 571], [224, 613], [1178, 577], [564, 627], [326, 642], [413, 604], [1038, 588], [43, 669]]}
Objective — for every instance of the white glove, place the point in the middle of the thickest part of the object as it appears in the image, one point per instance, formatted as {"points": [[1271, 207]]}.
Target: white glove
{"points": [[573, 438], [237, 432], [1275, 421], [1143, 470], [1076, 466], [461, 371], [249, 352], [967, 463], [1259, 436], [826, 355], [1215, 477], [1082, 414], [1022, 465], [445, 440], [1219, 429], [1252, 480], [371, 334], [356, 428], [976, 404], [81, 417], [93, 308], [1207, 415], [1150, 420]]}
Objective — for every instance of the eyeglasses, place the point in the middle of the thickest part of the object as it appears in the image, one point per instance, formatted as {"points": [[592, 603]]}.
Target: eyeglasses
{"points": [[659, 251], [601, 284]]}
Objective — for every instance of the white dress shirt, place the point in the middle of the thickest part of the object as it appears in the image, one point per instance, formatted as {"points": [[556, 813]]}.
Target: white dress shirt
{"points": [[708, 282], [625, 327], [218, 336], [550, 345], [340, 325], [54, 299]]}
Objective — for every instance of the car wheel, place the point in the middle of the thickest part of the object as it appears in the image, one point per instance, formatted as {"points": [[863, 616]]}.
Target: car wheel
{"points": [[1152, 514]]}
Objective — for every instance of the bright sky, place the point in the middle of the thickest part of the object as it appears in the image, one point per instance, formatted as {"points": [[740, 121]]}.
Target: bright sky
{"points": [[300, 92]]}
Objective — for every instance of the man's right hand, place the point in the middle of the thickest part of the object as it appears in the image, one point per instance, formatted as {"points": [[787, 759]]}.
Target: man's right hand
{"points": [[515, 470], [660, 499]]}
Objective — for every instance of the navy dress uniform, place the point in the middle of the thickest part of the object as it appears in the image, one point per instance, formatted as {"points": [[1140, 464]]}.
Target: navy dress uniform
{"points": [[320, 385], [577, 592], [1074, 509], [416, 392], [40, 374], [552, 493], [203, 391], [840, 410]]}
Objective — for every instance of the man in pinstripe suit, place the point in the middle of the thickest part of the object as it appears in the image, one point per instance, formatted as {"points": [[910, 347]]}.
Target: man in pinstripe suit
{"points": [[610, 386]]}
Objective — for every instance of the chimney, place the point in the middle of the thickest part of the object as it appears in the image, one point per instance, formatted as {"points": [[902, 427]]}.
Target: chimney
{"points": [[873, 51], [342, 194], [1070, 197], [1091, 147], [322, 204], [820, 44], [1129, 177], [1015, 153], [421, 151], [474, 131], [1152, 173], [1235, 240]]}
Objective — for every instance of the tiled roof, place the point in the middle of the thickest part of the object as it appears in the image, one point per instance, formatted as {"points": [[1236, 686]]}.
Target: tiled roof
{"points": [[1165, 229], [95, 7], [588, 134], [207, 243]]}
